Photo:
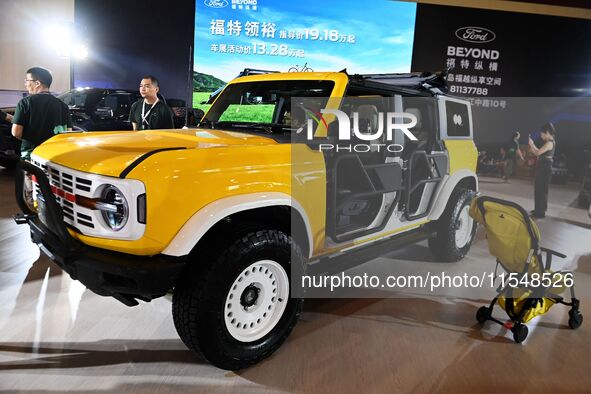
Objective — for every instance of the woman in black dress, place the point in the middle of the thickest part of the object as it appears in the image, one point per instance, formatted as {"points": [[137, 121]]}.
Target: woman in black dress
{"points": [[545, 156]]}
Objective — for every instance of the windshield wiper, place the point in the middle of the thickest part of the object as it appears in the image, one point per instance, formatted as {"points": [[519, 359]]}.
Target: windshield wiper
{"points": [[269, 128]]}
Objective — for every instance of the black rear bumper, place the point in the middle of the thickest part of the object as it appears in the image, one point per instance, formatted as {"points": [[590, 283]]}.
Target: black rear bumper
{"points": [[122, 276]]}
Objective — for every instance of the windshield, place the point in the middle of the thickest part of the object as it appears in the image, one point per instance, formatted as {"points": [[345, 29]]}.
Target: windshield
{"points": [[264, 105], [74, 98]]}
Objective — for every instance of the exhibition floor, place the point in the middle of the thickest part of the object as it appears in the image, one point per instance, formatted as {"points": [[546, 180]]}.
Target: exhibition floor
{"points": [[55, 336]]}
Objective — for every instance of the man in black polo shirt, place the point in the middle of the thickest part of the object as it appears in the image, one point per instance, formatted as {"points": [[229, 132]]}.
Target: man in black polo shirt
{"points": [[40, 115], [150, 113]]}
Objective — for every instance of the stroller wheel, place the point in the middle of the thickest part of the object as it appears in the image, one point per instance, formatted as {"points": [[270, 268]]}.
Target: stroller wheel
{"points": [[575, 318], [483, 314], [519, 332]]}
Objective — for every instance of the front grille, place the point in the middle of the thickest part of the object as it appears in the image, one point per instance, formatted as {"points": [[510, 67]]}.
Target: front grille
{"points": [[64, 186], [68, 183]]}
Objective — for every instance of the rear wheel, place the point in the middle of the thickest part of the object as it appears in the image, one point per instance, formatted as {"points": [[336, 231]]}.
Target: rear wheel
{"points": [[520, 332], [237, 310], [483, 314], [455, 228]]}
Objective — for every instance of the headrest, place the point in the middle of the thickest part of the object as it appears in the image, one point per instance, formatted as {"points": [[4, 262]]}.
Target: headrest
{"points": [[369, 114], [417, 113]]}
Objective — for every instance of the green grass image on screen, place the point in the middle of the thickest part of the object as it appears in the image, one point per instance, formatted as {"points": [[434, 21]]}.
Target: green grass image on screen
{"points": [[259, 113], [198, 98]]}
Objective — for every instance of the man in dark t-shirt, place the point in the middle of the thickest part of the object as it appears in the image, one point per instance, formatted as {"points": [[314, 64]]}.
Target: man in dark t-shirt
{"points": [[37, 118], [150, 113], [40, 115]]}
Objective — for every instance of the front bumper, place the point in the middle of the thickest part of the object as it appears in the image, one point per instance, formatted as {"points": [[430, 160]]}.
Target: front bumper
{"points": [[122, 276]]}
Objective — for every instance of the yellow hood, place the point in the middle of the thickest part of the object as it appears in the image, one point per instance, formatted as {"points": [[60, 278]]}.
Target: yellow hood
{"points": [[111, 152]]}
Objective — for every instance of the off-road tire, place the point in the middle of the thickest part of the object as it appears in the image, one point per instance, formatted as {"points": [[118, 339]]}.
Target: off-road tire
{"points": [[199, 300], [443, 244]]}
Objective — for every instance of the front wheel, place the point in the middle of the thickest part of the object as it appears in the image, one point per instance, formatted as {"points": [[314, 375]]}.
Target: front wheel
{"points": [[237, 310], [575, 319], [455, 228]]}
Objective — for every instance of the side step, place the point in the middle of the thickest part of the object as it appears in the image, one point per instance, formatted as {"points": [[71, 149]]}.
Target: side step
{"points": [[363, 254]]}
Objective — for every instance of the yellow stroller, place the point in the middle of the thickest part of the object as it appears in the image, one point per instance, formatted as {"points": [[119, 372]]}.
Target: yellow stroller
{"points": [[529, 288]]}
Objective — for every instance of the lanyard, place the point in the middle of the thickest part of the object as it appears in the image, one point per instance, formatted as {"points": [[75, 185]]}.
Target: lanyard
{"points": [[146, 114]]}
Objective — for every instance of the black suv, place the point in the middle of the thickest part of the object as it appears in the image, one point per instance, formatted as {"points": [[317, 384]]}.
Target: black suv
{"points": [[96, 109], [10, 147], [92, 109]]}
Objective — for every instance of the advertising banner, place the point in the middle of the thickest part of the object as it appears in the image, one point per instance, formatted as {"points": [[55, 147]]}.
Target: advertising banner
{"points": [[231, 35], [495, 55]]}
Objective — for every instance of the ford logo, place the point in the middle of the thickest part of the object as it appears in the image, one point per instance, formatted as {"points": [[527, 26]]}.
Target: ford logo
{"points": [[216, 3], [475, 34]]}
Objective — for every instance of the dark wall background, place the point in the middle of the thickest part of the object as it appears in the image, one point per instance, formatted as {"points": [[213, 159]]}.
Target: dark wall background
{"points": [[131, 38], [540, 56]]}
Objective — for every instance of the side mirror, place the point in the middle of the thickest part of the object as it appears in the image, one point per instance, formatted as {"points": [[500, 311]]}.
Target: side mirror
{"points": [[198, 113], [194, 116], [104, 113]]}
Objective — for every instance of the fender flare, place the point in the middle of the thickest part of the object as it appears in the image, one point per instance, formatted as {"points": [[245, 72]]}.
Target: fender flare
{"points": [[204, 219], [446, 189]]}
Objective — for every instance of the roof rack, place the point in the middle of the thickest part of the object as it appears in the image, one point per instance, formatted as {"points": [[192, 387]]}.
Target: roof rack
{"points": [[433, 81], [244, 73], [253, 71]]}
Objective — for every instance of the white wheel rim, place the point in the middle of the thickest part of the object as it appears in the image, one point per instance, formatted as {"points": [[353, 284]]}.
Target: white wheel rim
{"points": [[464, 227], [248, 322]]}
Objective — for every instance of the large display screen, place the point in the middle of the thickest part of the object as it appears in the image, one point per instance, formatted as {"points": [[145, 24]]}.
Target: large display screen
{"points": [[360, 36]]}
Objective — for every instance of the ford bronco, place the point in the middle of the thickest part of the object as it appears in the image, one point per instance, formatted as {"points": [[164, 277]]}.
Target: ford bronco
{"points": [[223, 215]]}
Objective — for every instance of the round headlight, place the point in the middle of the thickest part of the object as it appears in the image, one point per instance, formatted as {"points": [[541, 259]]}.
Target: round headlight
{"points": [[116, 216]]}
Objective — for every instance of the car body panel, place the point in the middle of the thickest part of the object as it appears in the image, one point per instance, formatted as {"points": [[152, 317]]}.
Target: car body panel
{"points": [[449, 184], [110, 153], [462, 154], [210, 167]]}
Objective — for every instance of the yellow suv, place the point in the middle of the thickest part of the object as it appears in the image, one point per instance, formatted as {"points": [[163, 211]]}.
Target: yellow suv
{"points": [[285, 169]]}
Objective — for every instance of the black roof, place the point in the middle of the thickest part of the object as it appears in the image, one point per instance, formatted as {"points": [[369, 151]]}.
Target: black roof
{"points": [[426, 81]]}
